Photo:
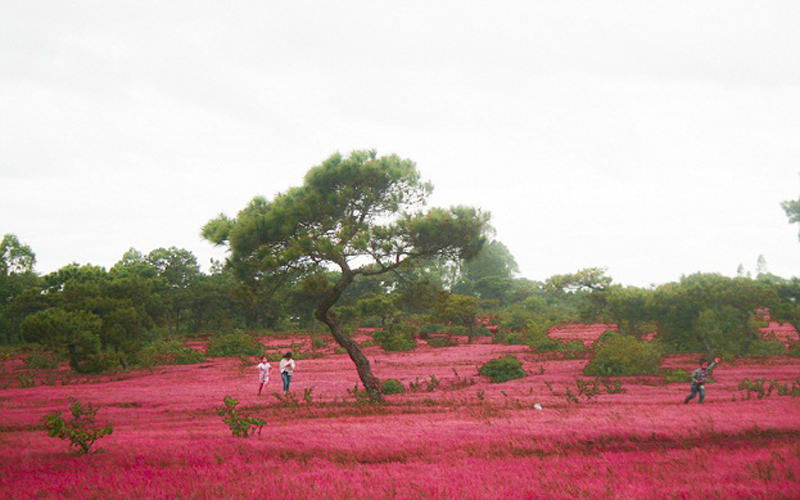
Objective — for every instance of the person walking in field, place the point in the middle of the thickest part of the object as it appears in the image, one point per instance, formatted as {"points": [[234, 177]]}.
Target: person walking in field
{"points": [[287, 368], [699, 380], [264, 370]]}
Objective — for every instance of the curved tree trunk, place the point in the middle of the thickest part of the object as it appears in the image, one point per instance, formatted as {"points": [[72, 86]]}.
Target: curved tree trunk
{"points": [[323, 313]]}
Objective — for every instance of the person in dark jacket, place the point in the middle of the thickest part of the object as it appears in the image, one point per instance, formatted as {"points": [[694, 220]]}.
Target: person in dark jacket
{"points": [[699, 380]]}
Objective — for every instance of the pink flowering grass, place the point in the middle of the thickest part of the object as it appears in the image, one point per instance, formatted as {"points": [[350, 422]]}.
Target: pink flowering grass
{"points": [[468, 438], [784, 332]]}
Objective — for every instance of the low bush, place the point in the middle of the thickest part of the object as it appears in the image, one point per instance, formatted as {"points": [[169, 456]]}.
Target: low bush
{"points": [[766, 348], [81, 430], [573, 349], [679, 376], [540, 342], [447, 341], [756, 386], [26, 380], [605, 336], [396, 339], [41, 362], [759, 387], [503, 369], [7, 352], [97, 363], [50, 378], [318, 342], [241, 425], [432, 328], [613, 386], [512, 338], [234, 344], [392, 386], [169, 352], [623, 355]]}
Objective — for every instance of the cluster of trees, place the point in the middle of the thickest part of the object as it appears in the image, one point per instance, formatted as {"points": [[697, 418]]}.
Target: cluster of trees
{"points": [[354, 246]]}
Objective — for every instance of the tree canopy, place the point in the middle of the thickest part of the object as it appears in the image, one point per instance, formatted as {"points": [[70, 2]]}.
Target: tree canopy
{"points": [[362, 215]]}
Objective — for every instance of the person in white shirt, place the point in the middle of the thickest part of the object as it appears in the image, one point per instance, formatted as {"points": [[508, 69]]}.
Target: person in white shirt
{"points": [[287, 368], [264, 369]]}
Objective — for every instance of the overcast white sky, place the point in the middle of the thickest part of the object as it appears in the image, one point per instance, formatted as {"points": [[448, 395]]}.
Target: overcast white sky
{"points": [[655, 139]]}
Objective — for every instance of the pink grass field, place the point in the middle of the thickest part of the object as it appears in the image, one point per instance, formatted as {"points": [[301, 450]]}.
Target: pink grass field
{"points": [[462, 440]]}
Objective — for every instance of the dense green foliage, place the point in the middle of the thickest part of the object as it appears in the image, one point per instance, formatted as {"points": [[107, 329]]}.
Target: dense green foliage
{"points": [[362, 215], [398, 338], [503, 369], [297, 254], [623, 355], [41, 362], [234, 344], [392, 386], [169, 352], [446, 341], [766, 348], [679, 376]]}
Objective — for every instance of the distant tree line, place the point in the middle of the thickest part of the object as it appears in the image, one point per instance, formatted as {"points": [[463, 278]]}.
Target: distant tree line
{"points": [[351, 248], [101, 319]]}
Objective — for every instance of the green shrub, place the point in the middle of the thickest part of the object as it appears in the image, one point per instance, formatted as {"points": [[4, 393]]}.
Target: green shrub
{"points": [[398, 338], [516, 318], [97, 363], [458, 330], [512, 338], [794, 350], [503, 369], [392, 386], [539, 341], [318, 342], [234, 344], [482, 331], [613, 386], [605, 336], [766, 348], [7, 352], [169, 352], [241, 425], [41, 362], [81, 430], [679, 376], [622, 355], [432, 384], [50, 378], [26, 380], [756, 386], [539, 325], [432, 328], [573, 349], [447, 341]]}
